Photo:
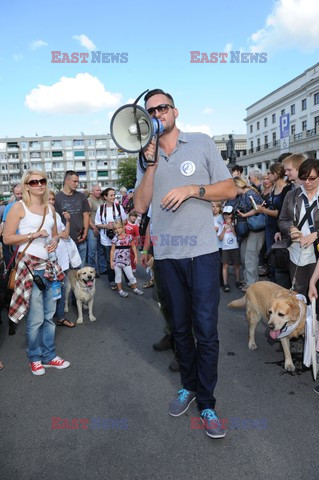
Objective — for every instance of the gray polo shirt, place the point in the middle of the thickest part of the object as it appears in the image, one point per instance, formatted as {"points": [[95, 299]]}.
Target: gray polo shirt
{"points": [[188, 232]]}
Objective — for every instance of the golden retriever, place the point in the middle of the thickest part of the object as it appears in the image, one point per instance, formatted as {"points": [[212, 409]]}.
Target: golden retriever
{"points": [[279, 307], [82, 282]]}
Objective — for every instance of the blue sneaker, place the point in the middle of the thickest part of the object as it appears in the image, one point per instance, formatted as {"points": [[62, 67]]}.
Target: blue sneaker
{"points": [[213, 425], [179, 406]]}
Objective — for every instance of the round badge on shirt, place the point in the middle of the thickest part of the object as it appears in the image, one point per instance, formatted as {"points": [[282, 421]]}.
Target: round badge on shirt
{"points": [[187, 168]]}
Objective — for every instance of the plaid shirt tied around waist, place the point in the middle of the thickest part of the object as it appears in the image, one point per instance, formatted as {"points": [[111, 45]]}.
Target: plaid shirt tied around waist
{"points": [[20, 300]]}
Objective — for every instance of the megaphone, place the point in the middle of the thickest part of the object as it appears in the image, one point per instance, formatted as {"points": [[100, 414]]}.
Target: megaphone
{"points": [[132, 128]]}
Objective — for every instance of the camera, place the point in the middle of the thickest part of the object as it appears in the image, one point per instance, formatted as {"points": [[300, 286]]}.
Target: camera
{"points": [[39, 282], [110, 234]]}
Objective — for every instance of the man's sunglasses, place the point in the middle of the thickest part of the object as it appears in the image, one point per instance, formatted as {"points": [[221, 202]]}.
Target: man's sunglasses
{"points": [[163, 108], [35, 183]]}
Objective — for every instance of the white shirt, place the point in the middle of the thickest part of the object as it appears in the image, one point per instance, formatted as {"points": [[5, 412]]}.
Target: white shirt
{"points": [[107, 217]]}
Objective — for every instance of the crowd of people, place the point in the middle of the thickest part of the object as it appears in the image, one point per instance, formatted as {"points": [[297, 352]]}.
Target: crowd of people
{"points": [[204, 219]]}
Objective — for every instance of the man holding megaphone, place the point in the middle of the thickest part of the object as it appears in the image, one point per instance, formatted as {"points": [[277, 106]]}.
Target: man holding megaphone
{"points": [[181, 182]]}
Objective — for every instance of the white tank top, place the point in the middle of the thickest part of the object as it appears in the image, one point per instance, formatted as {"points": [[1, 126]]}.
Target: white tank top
{"points": [[30, 223]]}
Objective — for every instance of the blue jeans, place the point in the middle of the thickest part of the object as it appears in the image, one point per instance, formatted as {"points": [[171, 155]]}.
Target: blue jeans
{"points": [[82, 248], [40, 325], [95, 252], [59, 313], [191, 288]]}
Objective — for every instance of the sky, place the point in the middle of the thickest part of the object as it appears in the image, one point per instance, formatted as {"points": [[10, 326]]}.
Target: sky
{"points": [[154, 42]]}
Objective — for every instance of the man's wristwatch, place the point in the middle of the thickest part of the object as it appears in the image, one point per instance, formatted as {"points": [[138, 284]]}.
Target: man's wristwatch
{"points": [[30, 236], [201, 191]]}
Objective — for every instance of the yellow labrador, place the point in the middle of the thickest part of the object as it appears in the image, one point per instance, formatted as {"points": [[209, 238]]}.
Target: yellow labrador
{"points": [[285, 313], [82, 282]]}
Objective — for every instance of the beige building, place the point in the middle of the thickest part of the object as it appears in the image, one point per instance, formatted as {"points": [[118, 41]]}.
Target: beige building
{"points": [[240, 144], [293, 107]]}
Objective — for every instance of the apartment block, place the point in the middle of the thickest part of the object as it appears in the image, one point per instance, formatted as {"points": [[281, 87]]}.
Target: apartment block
{"points": [[94, 157]]}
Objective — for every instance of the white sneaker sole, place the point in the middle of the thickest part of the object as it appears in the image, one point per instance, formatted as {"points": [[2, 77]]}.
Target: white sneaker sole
{"points": [[181, 413], [38, 373], [61, 367], [221, 435]]}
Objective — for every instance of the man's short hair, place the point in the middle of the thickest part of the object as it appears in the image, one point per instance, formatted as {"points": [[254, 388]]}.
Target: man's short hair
{"points": [[296, 159], [158, 91], [282, 157], [255, 172], [237, 168], [15, 186], [69, 174]]}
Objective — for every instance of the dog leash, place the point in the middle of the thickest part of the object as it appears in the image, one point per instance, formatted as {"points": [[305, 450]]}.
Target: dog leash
{"points": [[292, 288]]}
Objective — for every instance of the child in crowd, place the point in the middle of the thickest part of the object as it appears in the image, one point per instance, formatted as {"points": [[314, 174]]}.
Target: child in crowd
{"points": [[131, 228], [230, 247], [120, 258]]}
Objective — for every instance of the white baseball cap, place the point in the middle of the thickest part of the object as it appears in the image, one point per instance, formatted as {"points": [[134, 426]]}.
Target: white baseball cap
{"points": [[228, 209]]}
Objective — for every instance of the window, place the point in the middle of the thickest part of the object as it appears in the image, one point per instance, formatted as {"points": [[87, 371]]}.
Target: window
{"points": [[258, 124], [251, 147], [304, 125], [56, 143], [266, 141], [68, 143], [58, 153], [12, 145], [101, 153], [293, 129], [304, 104], [34, 145], [68, 155], [258, 144], [91, 143], [78, 143], [274, 137], [100, 143], [316, 123], [316, 98], [46, 145], [24, 145], [79, 153], [292, 109], [91, 153], [282, 112], [265, 122], [251, 129], [273, 118]]}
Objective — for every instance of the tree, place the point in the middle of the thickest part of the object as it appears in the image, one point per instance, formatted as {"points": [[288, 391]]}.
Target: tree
{"points": [[127, 172]]}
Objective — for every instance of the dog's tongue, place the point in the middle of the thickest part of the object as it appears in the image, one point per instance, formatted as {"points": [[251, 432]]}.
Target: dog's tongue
{"points": [[274, 334], [89, 283]]}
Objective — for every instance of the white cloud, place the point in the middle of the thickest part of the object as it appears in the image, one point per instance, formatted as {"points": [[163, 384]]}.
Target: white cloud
{"points": [[37, 44], [207, 110], [291, 24], [228, 47], [82, 94], [194, 128], [85, 41]]}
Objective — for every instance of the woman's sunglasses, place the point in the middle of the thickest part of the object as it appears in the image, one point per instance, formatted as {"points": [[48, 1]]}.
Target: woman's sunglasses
{"points": [[34, 183]]}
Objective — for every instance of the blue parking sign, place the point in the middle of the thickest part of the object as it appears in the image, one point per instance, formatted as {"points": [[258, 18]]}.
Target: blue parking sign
{"points": [[284, 125]]}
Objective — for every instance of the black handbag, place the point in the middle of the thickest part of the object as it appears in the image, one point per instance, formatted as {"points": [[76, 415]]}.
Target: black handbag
{"points": [[241, 226], [278, 255]]}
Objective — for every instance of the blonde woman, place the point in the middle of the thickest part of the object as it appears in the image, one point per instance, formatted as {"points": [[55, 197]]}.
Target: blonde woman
{"points": [[34, 221], [251, 245]]}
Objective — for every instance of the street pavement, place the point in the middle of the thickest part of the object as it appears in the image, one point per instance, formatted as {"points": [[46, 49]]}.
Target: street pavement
{"points": [[119, 388]]}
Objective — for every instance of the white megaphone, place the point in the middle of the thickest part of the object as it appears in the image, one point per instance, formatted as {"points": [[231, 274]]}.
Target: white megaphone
{"points": [[132, 128]]}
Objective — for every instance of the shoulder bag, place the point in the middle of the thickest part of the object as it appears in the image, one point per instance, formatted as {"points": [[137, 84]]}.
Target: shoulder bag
{"points": [[13, 273]]}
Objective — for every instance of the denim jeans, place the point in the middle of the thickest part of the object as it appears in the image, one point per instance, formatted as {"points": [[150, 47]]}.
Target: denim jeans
{"points": [[40, 325], [59, 313], [191, 289], [96, 257], [82, 248]]}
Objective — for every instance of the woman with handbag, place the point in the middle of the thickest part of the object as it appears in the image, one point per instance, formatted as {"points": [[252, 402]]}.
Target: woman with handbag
{"points": [[251, 244], [106, 215], [32, 297], [299, 222]]}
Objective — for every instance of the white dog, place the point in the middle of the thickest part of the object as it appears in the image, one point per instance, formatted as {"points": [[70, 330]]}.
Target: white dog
{"points": [[82, 283]]}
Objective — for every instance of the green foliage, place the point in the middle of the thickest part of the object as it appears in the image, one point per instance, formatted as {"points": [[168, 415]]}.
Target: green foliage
{"points": [[127, 172]]}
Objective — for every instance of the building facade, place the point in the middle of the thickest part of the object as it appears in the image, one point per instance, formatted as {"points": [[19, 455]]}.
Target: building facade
{"points": [[286, 120], [94, 157]]}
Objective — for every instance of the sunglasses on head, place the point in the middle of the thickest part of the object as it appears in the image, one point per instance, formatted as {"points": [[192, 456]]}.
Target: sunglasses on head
{"points": [[34, 183], [163, 108]]}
